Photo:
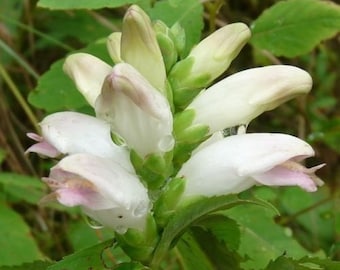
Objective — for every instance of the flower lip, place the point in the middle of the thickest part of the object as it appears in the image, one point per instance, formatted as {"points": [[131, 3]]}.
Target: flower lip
{"points": [[106, 191]]}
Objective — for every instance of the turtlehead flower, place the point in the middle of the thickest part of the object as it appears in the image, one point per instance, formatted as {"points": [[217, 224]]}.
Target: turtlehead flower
{"points": [[236, 163], [140, 49], [210, 58], [241, 97], [105, 191], [137, 112], [71, 132]]}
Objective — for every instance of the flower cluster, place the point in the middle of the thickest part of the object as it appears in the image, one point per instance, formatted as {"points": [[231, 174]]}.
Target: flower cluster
{"points": [[159, 118]]}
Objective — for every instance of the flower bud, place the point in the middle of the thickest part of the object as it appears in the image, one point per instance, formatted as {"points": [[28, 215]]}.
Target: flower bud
{"points": [[209, 59], [140, 49], [113, 46], [166, 43]]}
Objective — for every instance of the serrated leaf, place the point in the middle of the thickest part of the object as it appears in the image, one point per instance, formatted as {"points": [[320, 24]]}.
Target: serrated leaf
{"points": [[262, 239], [188, 215], [56, 91], [188, 13], [89, 258], [83, 4], [37, 265], [23, 187], [294, 27], [16, 242], [223, 228], [305, 263], [219, 255]]}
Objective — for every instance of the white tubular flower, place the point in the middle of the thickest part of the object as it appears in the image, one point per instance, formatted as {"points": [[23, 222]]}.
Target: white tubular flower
{"points": [[211, 57], [140, 49], [113, 46], [88, 73], [105, 191], [72, 132], [235, 163], [243, 96], [137, 112]]}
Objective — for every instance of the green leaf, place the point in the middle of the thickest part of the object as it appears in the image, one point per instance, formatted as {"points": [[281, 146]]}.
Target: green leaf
{"points": [[188, 215], [57, 92], [218, 253], [294, 27], [262, 239], [224, 230], [83, 4], [27, 188], [303, 264], [16, 242], [192, 256], [189, 14], [37, 265], [89, 258]]}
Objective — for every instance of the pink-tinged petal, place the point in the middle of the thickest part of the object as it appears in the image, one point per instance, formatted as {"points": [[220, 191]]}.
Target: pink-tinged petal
{"points": [[88, 73], [291, 173], [74, 191], [235, 163], [42, 147], [105, 190]]}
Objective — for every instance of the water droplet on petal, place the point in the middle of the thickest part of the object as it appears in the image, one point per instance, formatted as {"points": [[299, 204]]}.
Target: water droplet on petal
{"points": [[93, 223], [121, 229]]}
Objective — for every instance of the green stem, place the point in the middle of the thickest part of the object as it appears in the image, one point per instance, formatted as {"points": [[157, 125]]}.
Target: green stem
{"points": [[38, 33], [22, 62], [287, 220], [15, 91]]}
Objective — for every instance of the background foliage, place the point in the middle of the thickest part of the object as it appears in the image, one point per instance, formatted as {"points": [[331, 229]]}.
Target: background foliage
{"points": [[35, 34]]}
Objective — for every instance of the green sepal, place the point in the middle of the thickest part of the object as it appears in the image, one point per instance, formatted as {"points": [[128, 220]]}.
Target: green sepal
{"points": [[185, 132], [165, 40], [178, 33], [139, 245], [166, 204], [168, 50], [188, 136], [154, 169], [186, 85]]}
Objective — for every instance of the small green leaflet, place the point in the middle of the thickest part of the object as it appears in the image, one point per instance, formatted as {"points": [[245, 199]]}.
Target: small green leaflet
{"points": [[83, 4]]}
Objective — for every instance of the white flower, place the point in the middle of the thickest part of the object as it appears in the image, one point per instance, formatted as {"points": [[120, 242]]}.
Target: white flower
{"points": [[137, 112], [235, 163], [105, 191], [241, 97], [71, 132]]}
